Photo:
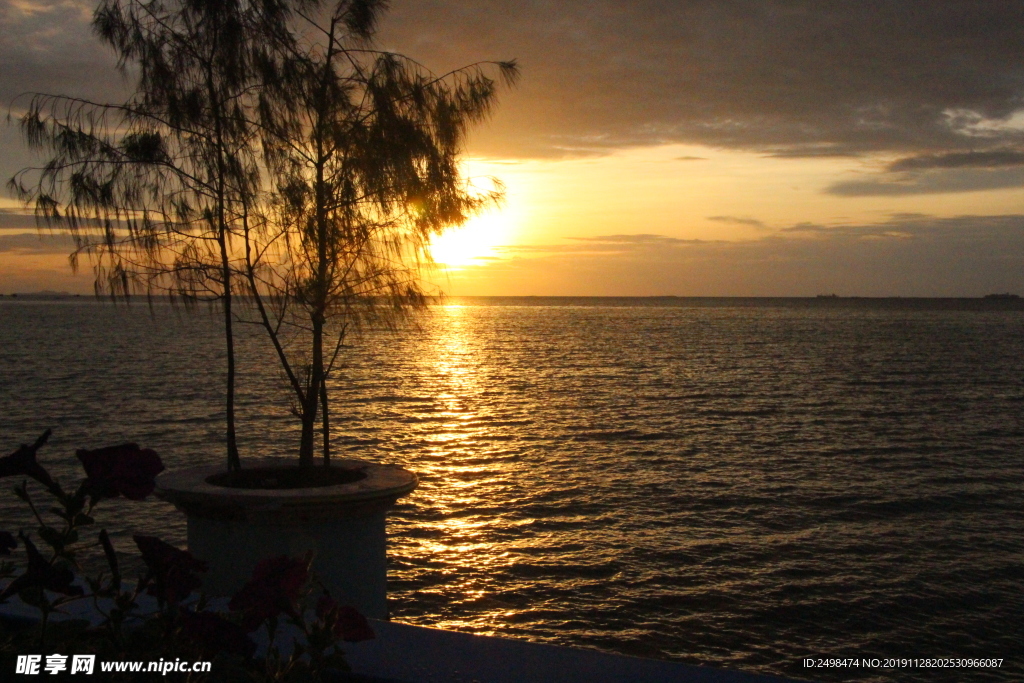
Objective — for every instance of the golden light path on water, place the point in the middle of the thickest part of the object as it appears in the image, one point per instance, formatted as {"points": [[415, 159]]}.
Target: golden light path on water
{"points": [[458, 539]]}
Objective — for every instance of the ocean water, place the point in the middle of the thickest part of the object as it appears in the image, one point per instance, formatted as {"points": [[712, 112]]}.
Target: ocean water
{"points": [[738, 483]]}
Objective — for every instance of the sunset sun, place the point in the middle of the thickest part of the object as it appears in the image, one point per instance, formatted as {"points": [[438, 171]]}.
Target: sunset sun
{"points": [[475, 241]]}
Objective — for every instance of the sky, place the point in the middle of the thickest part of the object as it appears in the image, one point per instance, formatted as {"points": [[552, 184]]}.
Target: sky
{"points": [[689, 148]]}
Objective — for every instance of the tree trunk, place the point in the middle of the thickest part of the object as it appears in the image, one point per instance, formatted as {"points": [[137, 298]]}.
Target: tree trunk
{"points": [[325, 416], [306, 443], [312, 398], [234, 462]]}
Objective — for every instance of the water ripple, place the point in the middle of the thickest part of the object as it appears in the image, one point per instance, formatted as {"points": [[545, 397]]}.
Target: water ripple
{"points": [[737, 486]]}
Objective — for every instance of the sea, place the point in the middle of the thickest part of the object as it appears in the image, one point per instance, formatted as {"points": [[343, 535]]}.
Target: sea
{"points": [[739, 483]]}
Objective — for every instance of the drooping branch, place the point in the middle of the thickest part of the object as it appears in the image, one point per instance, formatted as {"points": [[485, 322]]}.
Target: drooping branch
{"points": [[270, 150]]}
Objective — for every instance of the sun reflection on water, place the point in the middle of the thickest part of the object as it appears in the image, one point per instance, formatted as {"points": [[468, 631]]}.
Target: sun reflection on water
{"points": [[458, 529]]}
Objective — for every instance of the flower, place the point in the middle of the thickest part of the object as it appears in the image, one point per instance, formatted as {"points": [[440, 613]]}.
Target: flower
{"points": [[22, 462], [344, 621], [172, 570], [41, 574], [276, 584], [124, 470], [213, 633], [7, 543]]}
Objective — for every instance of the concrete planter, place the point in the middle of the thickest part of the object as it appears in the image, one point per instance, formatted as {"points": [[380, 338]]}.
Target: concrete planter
{"points": [[234, 528]]}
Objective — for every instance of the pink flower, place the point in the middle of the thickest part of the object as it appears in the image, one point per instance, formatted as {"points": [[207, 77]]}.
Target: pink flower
{"points": [[124, 470], [171, 570], [276, 584], [345, 622], [22, 462]]}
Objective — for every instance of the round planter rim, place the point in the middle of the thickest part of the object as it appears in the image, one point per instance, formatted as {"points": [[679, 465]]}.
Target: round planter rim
{"points": [[189, 486]]}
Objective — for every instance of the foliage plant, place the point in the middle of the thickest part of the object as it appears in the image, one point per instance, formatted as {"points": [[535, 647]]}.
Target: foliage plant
{"points": [[271, 159], [152, 189], [282, 602]]}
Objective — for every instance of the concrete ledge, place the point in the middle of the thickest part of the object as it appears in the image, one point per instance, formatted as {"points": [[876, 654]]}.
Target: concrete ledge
{"points": [[415, 654], [403, 653]]}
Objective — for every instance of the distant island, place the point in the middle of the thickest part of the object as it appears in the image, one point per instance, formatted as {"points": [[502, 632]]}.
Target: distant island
{"points": [[1007, 296], [43, 294]]}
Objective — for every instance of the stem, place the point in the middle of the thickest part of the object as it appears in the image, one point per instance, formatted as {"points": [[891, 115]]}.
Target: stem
{"points": [[326, 423], [43, 622], [272, 330], [312, 397], [320, 288], [32, 506], [234, 462]]}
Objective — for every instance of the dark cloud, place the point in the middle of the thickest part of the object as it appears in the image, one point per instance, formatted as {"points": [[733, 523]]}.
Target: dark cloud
{"points": [[990, 159], [48, 46], [604, 244], [932, 181], [16, 219], [792, 77], [36, 243], [920, 226], [878, 231], [638, 239], [809, 151], [688, 158], [785, 77], [736, 220]]}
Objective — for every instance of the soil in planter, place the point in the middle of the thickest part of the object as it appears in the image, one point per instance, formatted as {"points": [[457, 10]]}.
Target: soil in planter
{"points": [[286, 477]]}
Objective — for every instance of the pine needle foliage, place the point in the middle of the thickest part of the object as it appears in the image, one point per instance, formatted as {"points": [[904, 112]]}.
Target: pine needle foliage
{"points": [[271, 160], [361, 149], [153, 190]]}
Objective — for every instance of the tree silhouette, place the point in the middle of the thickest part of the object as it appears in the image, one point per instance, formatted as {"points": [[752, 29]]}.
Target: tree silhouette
{"points": [[154, 190], [362, 156], [268, 145]]}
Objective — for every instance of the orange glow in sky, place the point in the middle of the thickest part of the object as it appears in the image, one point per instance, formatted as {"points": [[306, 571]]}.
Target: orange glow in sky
{"points": [[710, 152]]}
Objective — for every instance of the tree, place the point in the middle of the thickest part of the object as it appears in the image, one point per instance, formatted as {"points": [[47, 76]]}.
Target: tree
{"points": [[154, 190], [269, 143], [362, 157]]}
